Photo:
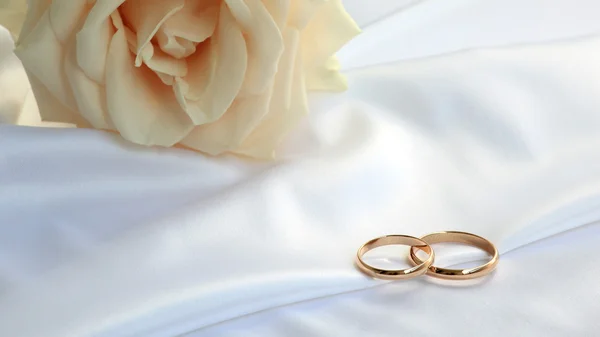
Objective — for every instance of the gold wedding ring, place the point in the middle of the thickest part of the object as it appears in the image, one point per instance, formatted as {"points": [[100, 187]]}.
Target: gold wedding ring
{"points": [[399, 274], [458, 237]]}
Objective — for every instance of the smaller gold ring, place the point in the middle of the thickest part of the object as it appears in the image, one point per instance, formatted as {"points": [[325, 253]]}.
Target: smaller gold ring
{"points": [[458, 237], [398, 274]]}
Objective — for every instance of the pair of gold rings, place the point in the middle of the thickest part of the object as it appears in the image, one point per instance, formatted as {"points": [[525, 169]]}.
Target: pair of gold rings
{"points": [[426, 266]]}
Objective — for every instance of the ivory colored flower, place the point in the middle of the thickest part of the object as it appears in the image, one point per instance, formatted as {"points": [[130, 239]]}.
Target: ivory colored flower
{"points": [[213, 75]]}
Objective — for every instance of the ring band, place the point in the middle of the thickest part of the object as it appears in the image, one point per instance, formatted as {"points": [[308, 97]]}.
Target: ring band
{"points": [[398, 274], [459, 237]]}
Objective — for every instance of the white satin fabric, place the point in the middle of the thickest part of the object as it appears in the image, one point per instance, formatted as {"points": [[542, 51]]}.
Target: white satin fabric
{"points": [[545, 289], [106, 239]]}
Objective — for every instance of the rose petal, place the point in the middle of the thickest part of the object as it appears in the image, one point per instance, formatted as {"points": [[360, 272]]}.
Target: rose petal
{"points": [[330, 28], [228, 70], [30, 112], [66, 16], [302, 11], [161, 62], [326, 77], [279, 10], [94, 38], [166, 79], [35, 10], [145, 17], [51, 109], [12, 16], [174, 46], [196, 23], [180, 88], [49, 70], [179, 35], [89, 95], [229, 131], [146, 53], [14, 84], [264, 43], [288, 104], [201, 70], [142, 108], [240, 11]]}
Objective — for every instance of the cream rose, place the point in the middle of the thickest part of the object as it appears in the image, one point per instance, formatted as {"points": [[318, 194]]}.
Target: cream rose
{"points": [[212, 75]]}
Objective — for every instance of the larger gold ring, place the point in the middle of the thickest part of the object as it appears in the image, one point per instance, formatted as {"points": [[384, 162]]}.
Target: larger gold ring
{"points": [[459, 237], [398, 274]]}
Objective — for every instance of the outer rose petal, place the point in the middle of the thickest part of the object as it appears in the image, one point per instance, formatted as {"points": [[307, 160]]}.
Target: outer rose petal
{"points": [[89, 95], [279, 10], [66, 16], [18, 105], [94, 38], [302, 11], [51, 109], [326, 77], [48, 70], [30, 115], [14, 84], [142, 109], [264, 43], [329, 30], [288, 105], [35, 10]]}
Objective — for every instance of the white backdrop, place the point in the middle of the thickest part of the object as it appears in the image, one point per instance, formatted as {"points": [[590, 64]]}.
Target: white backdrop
{"points": [[103, 238]]}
